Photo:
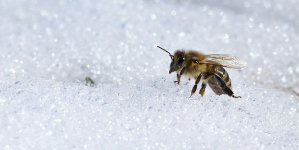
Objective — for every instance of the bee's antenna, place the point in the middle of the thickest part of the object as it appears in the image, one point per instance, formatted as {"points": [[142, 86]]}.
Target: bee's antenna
{"points": [[171, 56]]}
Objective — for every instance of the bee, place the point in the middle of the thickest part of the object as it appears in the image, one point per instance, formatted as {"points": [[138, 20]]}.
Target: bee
{"points": [[206, 68]]}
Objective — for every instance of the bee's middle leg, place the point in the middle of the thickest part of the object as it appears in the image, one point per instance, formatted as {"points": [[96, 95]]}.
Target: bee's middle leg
{"points": [[203, 88], [195, 86]]}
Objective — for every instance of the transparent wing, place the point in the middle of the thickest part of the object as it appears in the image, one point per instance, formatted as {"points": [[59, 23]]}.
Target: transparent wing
{"points": [[225, 60]]}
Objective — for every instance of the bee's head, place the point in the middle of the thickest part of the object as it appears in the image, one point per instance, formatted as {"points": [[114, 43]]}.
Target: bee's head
{"points": [[178, 61]]}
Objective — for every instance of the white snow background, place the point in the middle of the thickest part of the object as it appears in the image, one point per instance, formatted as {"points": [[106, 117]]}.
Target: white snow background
{"points": [[47, 48]]}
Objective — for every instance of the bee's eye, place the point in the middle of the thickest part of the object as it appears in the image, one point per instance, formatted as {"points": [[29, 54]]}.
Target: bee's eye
{"points": [[181, 60]]}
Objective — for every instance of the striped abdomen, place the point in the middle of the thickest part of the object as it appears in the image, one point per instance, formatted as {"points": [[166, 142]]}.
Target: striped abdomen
{"points": [[220, 82]]}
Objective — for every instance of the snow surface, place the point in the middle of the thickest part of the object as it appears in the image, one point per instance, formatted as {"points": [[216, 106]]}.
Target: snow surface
{"points": [[47, 48]]}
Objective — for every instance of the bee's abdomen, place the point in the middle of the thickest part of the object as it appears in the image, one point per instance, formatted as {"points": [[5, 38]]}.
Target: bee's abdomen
{"points": [[220, 82]]}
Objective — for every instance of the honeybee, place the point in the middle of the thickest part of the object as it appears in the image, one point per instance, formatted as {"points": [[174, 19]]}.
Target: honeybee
{"points": [[208, 68]]}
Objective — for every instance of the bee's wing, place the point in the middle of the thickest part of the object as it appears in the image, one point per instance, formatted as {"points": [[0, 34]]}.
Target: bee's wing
{"points": [[225, 60]]}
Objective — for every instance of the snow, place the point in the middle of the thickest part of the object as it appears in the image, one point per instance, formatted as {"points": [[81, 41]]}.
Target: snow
{"points": [[48, 48]]}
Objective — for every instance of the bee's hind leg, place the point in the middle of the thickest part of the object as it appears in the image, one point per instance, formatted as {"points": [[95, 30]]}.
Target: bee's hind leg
{"points": [[235, 96], [195, 86]]}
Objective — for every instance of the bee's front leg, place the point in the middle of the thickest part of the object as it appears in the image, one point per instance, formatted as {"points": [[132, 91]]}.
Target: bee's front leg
{"points": [[195, 86], [179, 75], [178, 79]]}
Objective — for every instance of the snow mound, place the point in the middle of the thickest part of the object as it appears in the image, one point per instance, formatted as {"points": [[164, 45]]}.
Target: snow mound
{"points": [[155, 114]]}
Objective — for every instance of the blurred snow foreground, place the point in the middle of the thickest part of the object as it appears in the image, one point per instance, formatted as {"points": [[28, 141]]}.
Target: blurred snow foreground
{"points": [[48, 48]]}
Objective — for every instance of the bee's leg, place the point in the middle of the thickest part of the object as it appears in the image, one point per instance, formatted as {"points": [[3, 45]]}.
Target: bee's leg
{"points": [[227, 90], [195, 86], [203, 88], [236, 96], [179, 75], [178, 79]]}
